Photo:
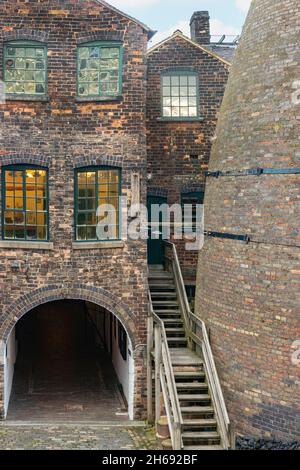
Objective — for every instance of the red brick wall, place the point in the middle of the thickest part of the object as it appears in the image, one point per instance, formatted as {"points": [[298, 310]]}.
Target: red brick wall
{"points": [[63, 134], [170, 144], [249, 293]]}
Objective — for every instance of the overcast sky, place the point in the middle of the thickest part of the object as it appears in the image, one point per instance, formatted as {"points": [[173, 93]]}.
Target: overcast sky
{"points": [[165, 16]]}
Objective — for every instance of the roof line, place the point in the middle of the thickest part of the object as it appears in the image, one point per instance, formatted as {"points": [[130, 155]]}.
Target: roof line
{"points": [[150, 31], [199, 46]]}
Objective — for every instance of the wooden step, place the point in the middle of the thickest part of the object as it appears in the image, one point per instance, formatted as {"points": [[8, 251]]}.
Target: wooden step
{"points": [[160, 275], [165, 303], [161, 285], [173, 320], [199, 423], [191, 386], [163, 294], [197, 409], [174, 339], [175, 330], [169, 312], [194, 398], [189, 375], [184, 361], [202, 447], [200, 435]]}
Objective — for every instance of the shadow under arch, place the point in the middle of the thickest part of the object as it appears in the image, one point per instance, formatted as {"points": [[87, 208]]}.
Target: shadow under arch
{"points": [[52, 293]]}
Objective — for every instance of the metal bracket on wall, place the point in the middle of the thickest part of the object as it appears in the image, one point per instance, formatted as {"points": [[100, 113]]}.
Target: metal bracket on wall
{"points": [[228, 236], [254, 172]]}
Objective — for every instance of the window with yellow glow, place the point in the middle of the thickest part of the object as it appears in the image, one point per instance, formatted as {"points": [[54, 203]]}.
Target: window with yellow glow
{"points": [[97, 204], [25, 204]]}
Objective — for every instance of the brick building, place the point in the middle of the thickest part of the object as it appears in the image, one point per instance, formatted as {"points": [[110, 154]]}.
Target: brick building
{"points": [[73, 132], [186, 83], [73, 135]]}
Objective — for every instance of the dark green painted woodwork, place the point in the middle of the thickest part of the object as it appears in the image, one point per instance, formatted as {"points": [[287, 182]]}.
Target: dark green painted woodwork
{"points": [[25, 200], [155, 245]]}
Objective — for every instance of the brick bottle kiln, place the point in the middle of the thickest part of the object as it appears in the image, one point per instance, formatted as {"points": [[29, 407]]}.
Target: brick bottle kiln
{"points": [[249, 271]]}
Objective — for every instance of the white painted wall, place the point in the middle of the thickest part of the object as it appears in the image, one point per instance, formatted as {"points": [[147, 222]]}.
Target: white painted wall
{"points": [[123, 369], [10, 355]]}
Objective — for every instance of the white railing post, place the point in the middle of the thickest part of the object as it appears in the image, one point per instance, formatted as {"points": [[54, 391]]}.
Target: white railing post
{"points": [[150, 345], [190, 320], [158, 355]]}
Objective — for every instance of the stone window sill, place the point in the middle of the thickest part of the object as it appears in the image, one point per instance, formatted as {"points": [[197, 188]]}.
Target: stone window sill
{"points": [[9, 97], [98, 245], [19, 245], [97, 99], [180, 119]]}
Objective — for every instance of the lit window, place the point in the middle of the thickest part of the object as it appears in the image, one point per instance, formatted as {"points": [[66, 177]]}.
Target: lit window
{"points": [[25, 68], [100, 70], [97, 204], [25, 203], [180, 95]]}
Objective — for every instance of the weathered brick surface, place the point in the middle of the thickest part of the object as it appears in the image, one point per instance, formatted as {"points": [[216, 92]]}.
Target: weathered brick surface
{"points": [[178, 152], [63, 134], [249, 294]]}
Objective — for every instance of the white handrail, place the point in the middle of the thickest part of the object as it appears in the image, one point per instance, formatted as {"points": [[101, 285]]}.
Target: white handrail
{"points": [[209, 363], [168, 384]]}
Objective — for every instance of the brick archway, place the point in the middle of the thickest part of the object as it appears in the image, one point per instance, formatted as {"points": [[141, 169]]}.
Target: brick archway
{"points": [[41, 296]]}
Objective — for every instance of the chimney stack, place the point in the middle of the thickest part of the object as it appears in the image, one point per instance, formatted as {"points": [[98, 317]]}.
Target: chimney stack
{"points": [[200, 27]]}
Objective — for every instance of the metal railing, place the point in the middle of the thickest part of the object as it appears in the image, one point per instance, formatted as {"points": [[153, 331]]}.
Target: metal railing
{"points": [[198, 341], [165, 385]]}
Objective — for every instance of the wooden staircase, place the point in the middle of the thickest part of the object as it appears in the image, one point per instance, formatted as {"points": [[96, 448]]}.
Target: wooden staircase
{"points": [[199, 424]]}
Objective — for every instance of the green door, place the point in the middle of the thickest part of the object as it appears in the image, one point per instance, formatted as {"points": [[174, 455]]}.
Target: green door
{"points": [[155, 242]]}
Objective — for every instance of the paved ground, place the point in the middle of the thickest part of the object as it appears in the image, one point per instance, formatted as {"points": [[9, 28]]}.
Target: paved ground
{"points": [[76, 437]]}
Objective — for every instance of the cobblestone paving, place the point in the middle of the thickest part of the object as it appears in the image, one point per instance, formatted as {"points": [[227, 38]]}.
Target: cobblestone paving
{"points": [[83, 437]]}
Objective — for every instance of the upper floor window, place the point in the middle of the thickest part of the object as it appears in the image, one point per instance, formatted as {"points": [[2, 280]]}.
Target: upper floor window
{"points": [[97, 204], [25, 203], [180, 95], [100, 70], [25, 68]]}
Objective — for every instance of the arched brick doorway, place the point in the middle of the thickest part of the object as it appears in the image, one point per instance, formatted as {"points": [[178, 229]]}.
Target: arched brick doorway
{"points": [[90, 296]]}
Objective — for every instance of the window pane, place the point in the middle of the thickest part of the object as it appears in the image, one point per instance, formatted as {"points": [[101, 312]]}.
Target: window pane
{"points": [[183, 91], [81, 218], [27, 73], [101, 192], [98, 71], [91, 233], [8, 231], [8, 217], [42, 233], [81, 233], [193, 112], [22, 194]]}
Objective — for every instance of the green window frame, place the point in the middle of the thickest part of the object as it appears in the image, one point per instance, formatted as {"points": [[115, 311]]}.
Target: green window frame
{"points": [[97, 187], [99, 70], [25, 67], [25, 203], [192, 199], [180, 95]]}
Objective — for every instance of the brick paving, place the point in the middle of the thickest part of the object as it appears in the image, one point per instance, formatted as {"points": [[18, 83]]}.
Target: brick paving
{"points": [[77, 437]]}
